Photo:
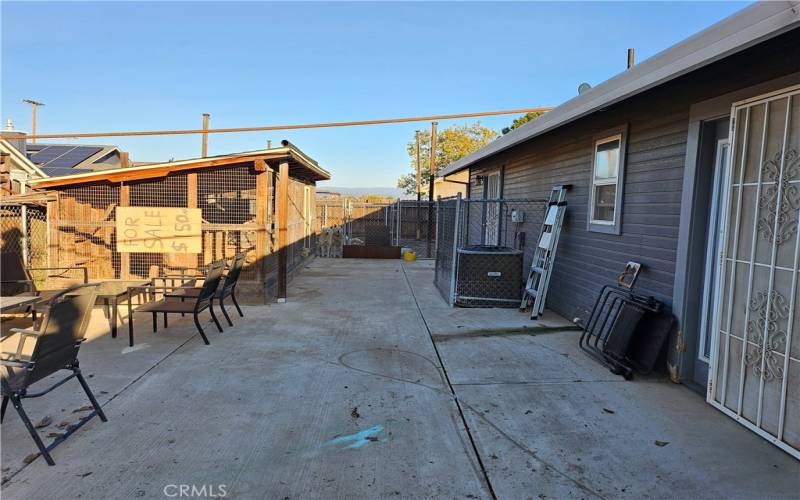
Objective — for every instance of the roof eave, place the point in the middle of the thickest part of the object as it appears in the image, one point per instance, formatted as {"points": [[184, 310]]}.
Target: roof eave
{"points": [[161, 169]]}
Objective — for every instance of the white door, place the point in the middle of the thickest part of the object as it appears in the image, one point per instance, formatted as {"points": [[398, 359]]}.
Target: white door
{"points": [[492, 233], [755, 361]]}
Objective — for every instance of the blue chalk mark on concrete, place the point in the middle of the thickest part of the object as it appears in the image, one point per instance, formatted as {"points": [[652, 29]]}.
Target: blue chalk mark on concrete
{"points": [[358, 439]]}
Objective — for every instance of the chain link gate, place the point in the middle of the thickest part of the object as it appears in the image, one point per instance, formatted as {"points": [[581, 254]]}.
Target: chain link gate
{"points": [[25, 239], [484, 248]]}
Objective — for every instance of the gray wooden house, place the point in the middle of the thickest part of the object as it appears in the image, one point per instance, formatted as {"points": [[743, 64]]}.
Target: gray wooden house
{"points": [[688, 163]]}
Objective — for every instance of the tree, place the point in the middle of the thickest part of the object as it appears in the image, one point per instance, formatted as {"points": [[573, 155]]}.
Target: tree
{"points": [[522, 120], [452, 143]]}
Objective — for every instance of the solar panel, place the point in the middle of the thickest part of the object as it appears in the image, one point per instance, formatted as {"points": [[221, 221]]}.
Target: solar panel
{"points": [[59, 171], [63, 156], [49, 153]]}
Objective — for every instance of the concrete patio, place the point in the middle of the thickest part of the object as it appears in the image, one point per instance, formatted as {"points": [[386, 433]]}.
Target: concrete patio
{"points": [[343, 392]]}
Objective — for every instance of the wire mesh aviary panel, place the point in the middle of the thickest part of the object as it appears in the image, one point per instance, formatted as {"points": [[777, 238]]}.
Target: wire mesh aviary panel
{"points": [[226, 196], [85, 229]]}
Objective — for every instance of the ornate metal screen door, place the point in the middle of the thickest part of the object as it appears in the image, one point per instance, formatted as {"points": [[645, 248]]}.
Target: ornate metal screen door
{"points": [[756, 357]]}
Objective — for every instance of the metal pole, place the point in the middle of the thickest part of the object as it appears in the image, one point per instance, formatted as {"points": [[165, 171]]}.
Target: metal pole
{"points": [[430, 187], [419, 189], [204, 147], [24, 238], [454, 268], [436, 240], [399, 221]]}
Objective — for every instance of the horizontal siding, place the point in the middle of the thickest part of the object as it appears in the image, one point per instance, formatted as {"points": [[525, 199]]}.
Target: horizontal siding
{"points": [[655, 154], [586, 260]]}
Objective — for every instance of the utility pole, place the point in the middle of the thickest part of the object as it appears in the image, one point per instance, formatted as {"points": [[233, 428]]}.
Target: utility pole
{"points": [[34, 107], [204, 147], [430, 187], [419, 190], [630, 58]]}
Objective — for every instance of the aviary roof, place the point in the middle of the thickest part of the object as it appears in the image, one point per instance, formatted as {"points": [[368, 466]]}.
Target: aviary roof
{"points": [[750, 26], [300, 165]]}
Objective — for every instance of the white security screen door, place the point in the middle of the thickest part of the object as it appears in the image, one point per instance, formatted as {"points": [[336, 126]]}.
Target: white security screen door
{"points": [[755, 372], [492, 209]]}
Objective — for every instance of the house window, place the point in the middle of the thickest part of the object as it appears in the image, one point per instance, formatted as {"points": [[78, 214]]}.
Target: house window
{"points": [[606, 191]]}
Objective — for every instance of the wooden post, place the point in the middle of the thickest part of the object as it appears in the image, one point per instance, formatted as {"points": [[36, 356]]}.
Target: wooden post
{"points": [[124, 159], [52, 234], [262, 201], [204, 149], [190, 260], [124, 257], [283, 219]]}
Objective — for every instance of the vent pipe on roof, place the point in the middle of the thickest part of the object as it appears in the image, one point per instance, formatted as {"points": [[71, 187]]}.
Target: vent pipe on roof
{"points": [[630, 58], [269, 144], [19, 144]]}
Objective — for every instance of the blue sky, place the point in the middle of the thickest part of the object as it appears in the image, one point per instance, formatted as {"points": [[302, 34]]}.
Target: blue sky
{"points": [[103, 66]]}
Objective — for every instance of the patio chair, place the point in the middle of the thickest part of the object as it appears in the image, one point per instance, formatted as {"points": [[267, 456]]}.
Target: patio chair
{"points": [[166, 305], [18, 279], [226, 289], [55, 347]]}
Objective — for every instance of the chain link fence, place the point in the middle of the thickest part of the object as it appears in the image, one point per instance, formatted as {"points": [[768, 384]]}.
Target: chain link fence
{"points": [[25, 244], [404, 223], [484, 249]]}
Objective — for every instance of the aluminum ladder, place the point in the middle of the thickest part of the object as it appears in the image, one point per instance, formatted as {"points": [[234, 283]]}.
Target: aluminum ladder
{"points": [[542, 264]]}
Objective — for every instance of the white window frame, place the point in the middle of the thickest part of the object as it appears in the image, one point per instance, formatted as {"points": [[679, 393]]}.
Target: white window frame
{"points": [[613, 226]]}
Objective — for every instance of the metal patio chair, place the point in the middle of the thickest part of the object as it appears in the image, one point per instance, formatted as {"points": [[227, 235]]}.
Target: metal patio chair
{"points": [[226, 289], [55, 348], [18, 279], [166, 305]]}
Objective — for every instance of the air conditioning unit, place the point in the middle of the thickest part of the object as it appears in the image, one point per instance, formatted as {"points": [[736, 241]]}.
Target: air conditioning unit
{"points": [[488, 276]]}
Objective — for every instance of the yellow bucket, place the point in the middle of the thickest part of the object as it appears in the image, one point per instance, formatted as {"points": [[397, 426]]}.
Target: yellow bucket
{"points": [[410, 255]]}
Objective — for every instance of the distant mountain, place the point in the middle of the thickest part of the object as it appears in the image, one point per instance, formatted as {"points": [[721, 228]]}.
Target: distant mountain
{"points": [[362, 191]]}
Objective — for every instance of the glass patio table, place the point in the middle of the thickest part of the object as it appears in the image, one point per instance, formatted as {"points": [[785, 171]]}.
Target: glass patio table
{"points": [[111, 291]]}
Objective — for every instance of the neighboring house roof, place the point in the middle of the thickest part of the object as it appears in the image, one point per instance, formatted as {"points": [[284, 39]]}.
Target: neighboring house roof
{"points": [[19, 160], [748, 27], [302, 165], [59, 159]]}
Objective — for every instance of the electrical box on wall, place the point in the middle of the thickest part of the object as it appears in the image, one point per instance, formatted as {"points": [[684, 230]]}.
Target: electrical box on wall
{"points": [[517, 216]]}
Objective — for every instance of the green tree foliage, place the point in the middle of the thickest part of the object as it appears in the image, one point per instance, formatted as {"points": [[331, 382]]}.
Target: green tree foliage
{"points": [[522, 120], [452, 143]]}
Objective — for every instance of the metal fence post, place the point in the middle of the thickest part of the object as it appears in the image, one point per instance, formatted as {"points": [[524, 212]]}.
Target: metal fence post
{"points": [[436, 227], [456, 231], [399, 220]]}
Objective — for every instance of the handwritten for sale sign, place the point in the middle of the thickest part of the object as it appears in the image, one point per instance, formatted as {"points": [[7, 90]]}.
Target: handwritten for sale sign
{"points": [[159, 230]]}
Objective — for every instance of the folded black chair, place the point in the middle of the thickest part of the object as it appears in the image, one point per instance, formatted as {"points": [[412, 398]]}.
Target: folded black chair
{"points": [[165, 305], [226, 289], [56, 345]]}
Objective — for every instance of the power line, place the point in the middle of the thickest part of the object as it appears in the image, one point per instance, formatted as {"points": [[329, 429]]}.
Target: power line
{"points": [[281, 127]]}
